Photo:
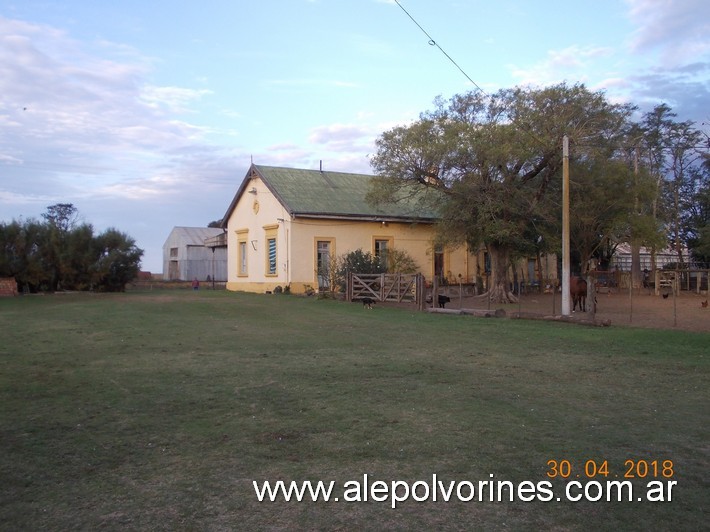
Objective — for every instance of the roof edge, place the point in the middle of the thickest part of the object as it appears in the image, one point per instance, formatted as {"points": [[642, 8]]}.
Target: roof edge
{"points": [[363, 217]]}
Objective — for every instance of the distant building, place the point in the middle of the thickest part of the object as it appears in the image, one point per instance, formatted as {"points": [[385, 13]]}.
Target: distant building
{"points": [[622, 257], [195, 253]]}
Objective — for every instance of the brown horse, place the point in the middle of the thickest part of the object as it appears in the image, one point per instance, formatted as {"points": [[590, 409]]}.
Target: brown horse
{"points": [[578, 291]]}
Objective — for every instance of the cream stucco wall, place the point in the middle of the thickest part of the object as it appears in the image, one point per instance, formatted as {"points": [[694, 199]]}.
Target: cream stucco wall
{"points": [[256, 215]]}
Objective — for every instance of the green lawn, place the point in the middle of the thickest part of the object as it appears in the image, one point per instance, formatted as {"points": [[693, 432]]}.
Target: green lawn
{"points": [[158, 410]]}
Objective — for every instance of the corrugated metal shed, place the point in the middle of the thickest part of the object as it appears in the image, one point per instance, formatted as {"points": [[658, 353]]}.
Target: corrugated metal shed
{"points": [[186, 255], [196, 236]]}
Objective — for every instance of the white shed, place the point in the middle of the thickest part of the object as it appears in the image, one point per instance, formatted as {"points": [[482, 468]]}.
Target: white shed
{"points": [[195, 253]]}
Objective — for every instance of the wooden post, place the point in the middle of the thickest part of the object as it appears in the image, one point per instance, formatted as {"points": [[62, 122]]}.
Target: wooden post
{"points": [[421, 291], [591, 294], [631, 295], [434, 291], [460, 292], [676, 286], [554, 295]]}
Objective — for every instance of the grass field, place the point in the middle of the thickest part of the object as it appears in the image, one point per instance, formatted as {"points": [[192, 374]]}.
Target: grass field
{"points": [[158, 410]]}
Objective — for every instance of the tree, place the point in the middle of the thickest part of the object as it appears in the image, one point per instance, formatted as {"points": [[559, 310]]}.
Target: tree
{"points": [[610, 196], [61, 219], [62, 216], [118, 261], [683, 155], [61, 252], [78, 257], [495, 159], [601, 192], [22, 253], [674, 154], [399, 261], [696, 216]]}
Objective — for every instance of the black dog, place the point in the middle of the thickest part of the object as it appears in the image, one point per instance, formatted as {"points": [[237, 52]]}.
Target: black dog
{"points": [[443, 300], [367, 302]]}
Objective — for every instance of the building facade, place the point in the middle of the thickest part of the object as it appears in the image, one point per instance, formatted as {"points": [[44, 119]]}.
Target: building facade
{"points": [[285, 225]]}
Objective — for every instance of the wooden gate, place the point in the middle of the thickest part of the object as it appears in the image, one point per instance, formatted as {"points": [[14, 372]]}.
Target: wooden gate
{"points": [[397, 287]]}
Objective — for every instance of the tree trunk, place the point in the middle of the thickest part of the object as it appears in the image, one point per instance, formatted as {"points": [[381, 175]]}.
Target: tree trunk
{"points": [[499, 288]]}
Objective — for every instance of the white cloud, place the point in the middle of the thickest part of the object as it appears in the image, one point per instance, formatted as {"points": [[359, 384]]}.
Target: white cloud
{"points": [[572, 64], [64, 110], [679, 29], [338, 133], [175, 99]]}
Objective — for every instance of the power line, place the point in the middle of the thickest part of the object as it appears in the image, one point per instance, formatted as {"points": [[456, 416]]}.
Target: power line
{"points": [[432, 42]]}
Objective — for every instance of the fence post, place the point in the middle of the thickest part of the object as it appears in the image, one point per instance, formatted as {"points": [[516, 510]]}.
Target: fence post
{"points": [[461, 291], [434, 291], [419, 291], [591, 294], [349, 287]]}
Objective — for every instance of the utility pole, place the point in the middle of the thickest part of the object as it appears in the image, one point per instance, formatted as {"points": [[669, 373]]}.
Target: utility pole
{"points": [[565, 228]]}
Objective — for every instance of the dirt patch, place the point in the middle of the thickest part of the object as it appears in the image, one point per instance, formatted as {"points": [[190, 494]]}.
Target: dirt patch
{"points": [[684, 312]]}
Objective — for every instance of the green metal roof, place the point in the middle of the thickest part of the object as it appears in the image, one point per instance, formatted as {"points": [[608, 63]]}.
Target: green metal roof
{"points": [[316, 193]]}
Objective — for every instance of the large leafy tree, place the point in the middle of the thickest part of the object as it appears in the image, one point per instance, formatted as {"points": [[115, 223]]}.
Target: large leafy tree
{"points": [[117, 262], [696, 216], [675, 154], [496, 161], [601, 192], [61, 219], [60, 252]]}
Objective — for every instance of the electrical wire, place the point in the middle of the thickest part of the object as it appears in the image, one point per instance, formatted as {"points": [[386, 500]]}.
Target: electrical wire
{"points": [[432, 42]]}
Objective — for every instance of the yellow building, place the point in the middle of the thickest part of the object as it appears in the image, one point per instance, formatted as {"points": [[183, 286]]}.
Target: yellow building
{"points": [[285, 224]]}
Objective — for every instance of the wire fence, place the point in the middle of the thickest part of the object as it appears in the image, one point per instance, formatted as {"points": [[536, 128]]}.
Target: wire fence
{"points": [[678, 300]]}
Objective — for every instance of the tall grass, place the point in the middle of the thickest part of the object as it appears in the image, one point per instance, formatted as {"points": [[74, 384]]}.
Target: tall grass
{"points": [[159, 410]]}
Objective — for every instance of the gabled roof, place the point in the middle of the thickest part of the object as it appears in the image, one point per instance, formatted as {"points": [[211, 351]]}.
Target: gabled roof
{"points": [[194, 236], [325, 194]]}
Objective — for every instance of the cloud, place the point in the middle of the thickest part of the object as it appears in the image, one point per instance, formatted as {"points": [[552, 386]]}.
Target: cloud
{"points": [[568, 64], [340, 134], [678, 29], [686, 92], [671, 45], [669, 61], [66, 112], [175, 99]]}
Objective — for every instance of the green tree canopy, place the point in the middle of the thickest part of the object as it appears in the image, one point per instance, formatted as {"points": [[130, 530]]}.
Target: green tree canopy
{"points": [[61, 253], [496, 159]]}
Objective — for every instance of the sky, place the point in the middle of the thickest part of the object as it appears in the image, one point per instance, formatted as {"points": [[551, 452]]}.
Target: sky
{"points": [[147, 114]]}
